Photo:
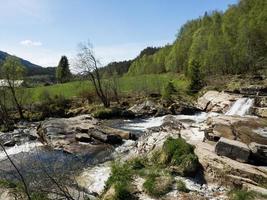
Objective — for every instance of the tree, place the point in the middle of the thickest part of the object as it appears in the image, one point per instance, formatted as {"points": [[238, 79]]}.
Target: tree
{"points": [[168, 91], [195, 76], [89, 67], [13, 73], [63, 73]]}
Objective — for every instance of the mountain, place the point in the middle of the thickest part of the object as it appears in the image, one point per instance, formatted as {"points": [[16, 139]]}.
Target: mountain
{"points": [[32, 69]]}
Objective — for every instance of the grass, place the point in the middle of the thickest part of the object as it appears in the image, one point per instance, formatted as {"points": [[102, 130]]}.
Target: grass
{"points": [[181, 186], [177, 153], [157, 185], [18, 188], [152, 83], [243, 195], [157, 171], [120, 179]]}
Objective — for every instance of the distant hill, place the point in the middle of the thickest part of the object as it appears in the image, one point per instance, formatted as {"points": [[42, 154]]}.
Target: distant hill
{"points": [[230, 42], [32, 69]]}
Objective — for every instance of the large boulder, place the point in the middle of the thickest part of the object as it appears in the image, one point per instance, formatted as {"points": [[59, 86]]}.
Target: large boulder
{"points": [[258, 152], [228, 171], [214, 101], [183, 108], [232, 149], [147, 108], [244, 129], [79, 134]]}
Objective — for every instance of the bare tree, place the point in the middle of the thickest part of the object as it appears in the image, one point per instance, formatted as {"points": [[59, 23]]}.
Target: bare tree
{"points": [[89, 67]]}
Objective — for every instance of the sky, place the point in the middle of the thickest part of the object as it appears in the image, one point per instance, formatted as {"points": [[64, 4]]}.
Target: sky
{"points": [[41, 31]]}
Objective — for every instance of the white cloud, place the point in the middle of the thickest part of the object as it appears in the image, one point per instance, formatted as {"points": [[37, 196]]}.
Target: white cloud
{"points": [[31, 43]]}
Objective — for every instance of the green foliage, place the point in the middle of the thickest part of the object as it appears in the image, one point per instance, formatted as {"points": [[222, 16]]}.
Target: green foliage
{"points": [[223, 43], [181, 186], [63, 73], [242, 195], [178, 153], [195, 77], [12, 69], [157, 185], [143, 84], [120, 179], [52, 105], [168, 91]]}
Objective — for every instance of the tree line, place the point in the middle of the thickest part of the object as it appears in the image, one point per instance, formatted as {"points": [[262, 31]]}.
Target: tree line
{"points": [[232, 42]]}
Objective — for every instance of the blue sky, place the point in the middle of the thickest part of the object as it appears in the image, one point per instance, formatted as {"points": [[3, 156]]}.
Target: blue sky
{"points": [[43, 30]]}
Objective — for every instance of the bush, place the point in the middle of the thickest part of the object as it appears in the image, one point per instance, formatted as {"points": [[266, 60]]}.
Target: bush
{"points": [[120, 179], [157, 185], [181, 186], [168, 91], [176, 152], [52, 106]]}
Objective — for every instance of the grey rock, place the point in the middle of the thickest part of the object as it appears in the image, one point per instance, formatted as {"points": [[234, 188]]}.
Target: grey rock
{"points": [[259, 152], [232, 149]]}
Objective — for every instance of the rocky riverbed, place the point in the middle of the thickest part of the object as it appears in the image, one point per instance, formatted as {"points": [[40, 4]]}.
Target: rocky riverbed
{"points": [[82, 147]]}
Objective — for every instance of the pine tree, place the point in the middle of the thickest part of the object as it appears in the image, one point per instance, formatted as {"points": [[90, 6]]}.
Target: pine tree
{"points": [[195, 76], [63, 73]]}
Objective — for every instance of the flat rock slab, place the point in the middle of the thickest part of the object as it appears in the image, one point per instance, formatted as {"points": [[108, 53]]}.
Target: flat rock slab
{"points": [[232, 149], [79, 135], [244, 129], [214, 101], [227, 171]]}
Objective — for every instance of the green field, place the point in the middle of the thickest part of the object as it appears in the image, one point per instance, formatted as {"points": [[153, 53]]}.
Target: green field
{"points": [[127, 85]]}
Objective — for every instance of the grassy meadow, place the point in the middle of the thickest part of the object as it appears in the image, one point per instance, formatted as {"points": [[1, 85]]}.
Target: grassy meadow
{"points": [[141, 84]]}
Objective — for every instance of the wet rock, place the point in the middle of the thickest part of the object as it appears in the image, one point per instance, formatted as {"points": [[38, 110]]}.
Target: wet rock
{"points": [[254, 90], [261, 112], [83, 137], [214, 101], [147, 108], [259, 152], [183, 109], [162, 111], [105, 138], [10, 143], [232, 149]]}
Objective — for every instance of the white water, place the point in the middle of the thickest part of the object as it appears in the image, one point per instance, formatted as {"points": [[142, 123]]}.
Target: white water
{"points": [[144, 124], [241, 107], [27, 147], [158, 121]]}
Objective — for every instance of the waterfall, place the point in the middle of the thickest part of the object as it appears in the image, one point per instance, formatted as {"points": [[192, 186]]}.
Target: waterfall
{"points": [[241, 107]]}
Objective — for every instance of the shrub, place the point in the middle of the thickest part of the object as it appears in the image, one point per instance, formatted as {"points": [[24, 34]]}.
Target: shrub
{"points": [[120, 179], [181, 186], [157, 185], [168, 91], [176, 152]]}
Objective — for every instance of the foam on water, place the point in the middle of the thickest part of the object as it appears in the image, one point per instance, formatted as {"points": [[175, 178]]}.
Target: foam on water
{"points": [[144, 124], [27, 147], [241, 107]]}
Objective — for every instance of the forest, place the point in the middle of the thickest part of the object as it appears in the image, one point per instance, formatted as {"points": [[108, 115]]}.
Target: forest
{"points": [[232, 42]]}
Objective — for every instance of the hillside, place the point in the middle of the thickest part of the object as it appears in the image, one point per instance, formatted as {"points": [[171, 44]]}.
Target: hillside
{"points": [[32, 69], [232, 42]]}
